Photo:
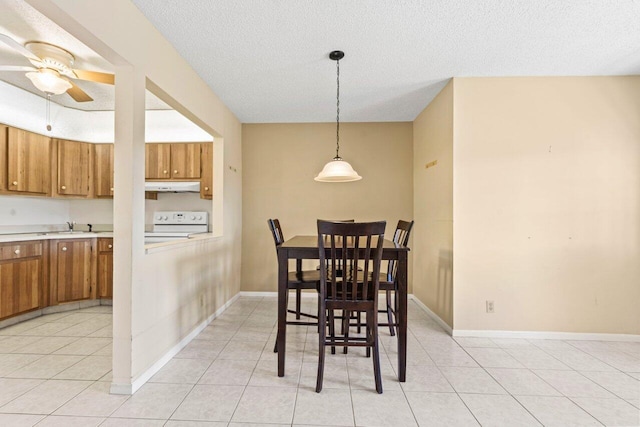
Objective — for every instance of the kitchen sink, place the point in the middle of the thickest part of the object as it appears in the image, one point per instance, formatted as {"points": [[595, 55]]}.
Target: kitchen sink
{"points": [[65, 232]]}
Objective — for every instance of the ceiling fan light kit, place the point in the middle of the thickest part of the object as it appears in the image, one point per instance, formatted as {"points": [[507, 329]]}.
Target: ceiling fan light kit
{"points": [[52, 66], [337, 170], [49, 81]]}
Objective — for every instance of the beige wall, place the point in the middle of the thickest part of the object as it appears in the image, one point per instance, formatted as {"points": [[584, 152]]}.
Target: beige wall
{"points": [[547, 204], [433, 205], [158, 297], [279, 164]]}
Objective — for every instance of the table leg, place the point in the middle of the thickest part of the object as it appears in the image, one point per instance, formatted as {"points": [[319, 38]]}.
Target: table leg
{"points": [[401, 314], [281, 340]]}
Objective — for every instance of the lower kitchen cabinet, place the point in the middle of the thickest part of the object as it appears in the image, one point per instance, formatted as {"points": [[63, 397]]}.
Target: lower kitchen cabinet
{"points": [[22, 277], [72, 270], [105, 268]]}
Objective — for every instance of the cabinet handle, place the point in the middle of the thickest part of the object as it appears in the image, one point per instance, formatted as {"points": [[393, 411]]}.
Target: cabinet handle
{"points": [[64, 249], [165, 171], [111, 189], [110, 246], [175, 171], [206, 188], [14, 183], [17, 252], [64, 187]]}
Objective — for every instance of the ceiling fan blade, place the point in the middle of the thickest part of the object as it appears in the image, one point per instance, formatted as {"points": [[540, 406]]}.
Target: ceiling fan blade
{"points": [[17, 46], [78, 94], [17, 68], [95, 76]]}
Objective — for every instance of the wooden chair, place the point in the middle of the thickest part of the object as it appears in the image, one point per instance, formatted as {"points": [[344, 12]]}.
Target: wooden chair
{"points": [[388, 279], [296, 280], [353, 291]]}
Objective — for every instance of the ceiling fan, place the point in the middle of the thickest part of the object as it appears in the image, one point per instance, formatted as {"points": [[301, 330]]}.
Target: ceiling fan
{"points": [[51, 69]]}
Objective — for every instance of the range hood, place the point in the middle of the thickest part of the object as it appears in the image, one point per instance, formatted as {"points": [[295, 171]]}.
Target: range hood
{"points": [[172, 186]]}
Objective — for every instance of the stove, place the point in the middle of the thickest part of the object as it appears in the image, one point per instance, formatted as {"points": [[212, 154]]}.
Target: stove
{"points": [[175, 225]]}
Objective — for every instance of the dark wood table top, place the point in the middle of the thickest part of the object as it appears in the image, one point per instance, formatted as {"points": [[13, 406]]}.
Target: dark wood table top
{"points": [[311, 242]]}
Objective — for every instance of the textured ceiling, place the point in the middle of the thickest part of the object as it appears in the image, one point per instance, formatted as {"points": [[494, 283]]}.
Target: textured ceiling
{"points": [[267, 60], [21, 22]]}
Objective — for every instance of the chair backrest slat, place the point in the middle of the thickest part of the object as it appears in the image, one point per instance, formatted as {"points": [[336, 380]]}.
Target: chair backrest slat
{"points": [[276, 231], [350, 245], [400, 237]]}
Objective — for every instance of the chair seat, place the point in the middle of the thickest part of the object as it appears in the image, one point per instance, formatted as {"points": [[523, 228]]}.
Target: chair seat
{"points": [[305, 279], [386, 284]]}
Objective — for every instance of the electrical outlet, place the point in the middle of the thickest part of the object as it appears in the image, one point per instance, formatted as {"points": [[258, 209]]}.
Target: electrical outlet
{"points": [[490, 306]]}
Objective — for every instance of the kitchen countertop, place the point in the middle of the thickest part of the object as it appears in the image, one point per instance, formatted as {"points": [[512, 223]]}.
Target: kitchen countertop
{"points": [[25, 237]]}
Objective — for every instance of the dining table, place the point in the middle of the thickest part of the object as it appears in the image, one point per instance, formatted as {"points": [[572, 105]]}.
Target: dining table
{"points": [[306, 247]]}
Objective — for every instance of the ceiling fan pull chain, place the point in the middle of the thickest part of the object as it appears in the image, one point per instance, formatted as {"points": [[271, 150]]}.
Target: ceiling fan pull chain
{"points": [[49, 112]]}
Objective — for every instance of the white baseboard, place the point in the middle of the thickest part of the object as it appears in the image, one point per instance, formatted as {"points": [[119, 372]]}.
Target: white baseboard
{"points": [[431, 314], [146, 375], [539, 335], [258, 294], [254, 294], [546, 335]]}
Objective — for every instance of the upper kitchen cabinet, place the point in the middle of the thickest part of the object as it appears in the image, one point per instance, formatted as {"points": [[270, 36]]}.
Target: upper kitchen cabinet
{"points": [[25, 159], [206, 180], [74, 168], [172, 161], [103, 170], [157, 159]]}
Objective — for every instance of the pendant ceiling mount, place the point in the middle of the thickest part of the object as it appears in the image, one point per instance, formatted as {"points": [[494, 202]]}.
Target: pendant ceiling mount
{"points": [[337, 170], [336, 55]]}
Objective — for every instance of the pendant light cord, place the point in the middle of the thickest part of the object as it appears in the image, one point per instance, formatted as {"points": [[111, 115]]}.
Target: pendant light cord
{"points": [[338, 110]]}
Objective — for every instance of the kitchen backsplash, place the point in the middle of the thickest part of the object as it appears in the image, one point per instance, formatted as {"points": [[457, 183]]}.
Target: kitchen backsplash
{"points": [[33, 214], [15, 210]]}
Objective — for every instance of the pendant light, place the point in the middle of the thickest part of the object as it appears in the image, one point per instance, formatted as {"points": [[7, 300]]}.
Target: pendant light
{"points": [[337, 170]]}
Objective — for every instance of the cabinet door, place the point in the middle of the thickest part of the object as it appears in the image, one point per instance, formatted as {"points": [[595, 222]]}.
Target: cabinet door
{"points": [[73, 275], [20, 286], [28, 162], [185, 161], [103, 170], [206, 180], [73, 168], [4, 131], [157, 159], [105, 268]]}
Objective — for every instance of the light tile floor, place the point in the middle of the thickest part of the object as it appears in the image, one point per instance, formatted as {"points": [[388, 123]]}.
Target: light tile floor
{"points": [[55, 371]]}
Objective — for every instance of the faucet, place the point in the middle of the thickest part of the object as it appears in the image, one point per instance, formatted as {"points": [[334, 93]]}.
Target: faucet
{"points": [[71, 225]]}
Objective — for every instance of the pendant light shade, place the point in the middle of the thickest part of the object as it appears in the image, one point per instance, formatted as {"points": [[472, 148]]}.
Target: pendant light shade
{"points": [[337, 170]]}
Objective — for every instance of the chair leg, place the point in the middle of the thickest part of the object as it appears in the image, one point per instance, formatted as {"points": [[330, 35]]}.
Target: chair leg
{"points": [[319, 323], [392, 329], [376, 352], [368, 335], [286, 298], [298, 303], [359, 321], [332, 331], [322, 320], [346, 319]]}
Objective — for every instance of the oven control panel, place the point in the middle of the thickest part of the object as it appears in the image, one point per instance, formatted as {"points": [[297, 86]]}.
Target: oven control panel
{"points": [[181, 218]]}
